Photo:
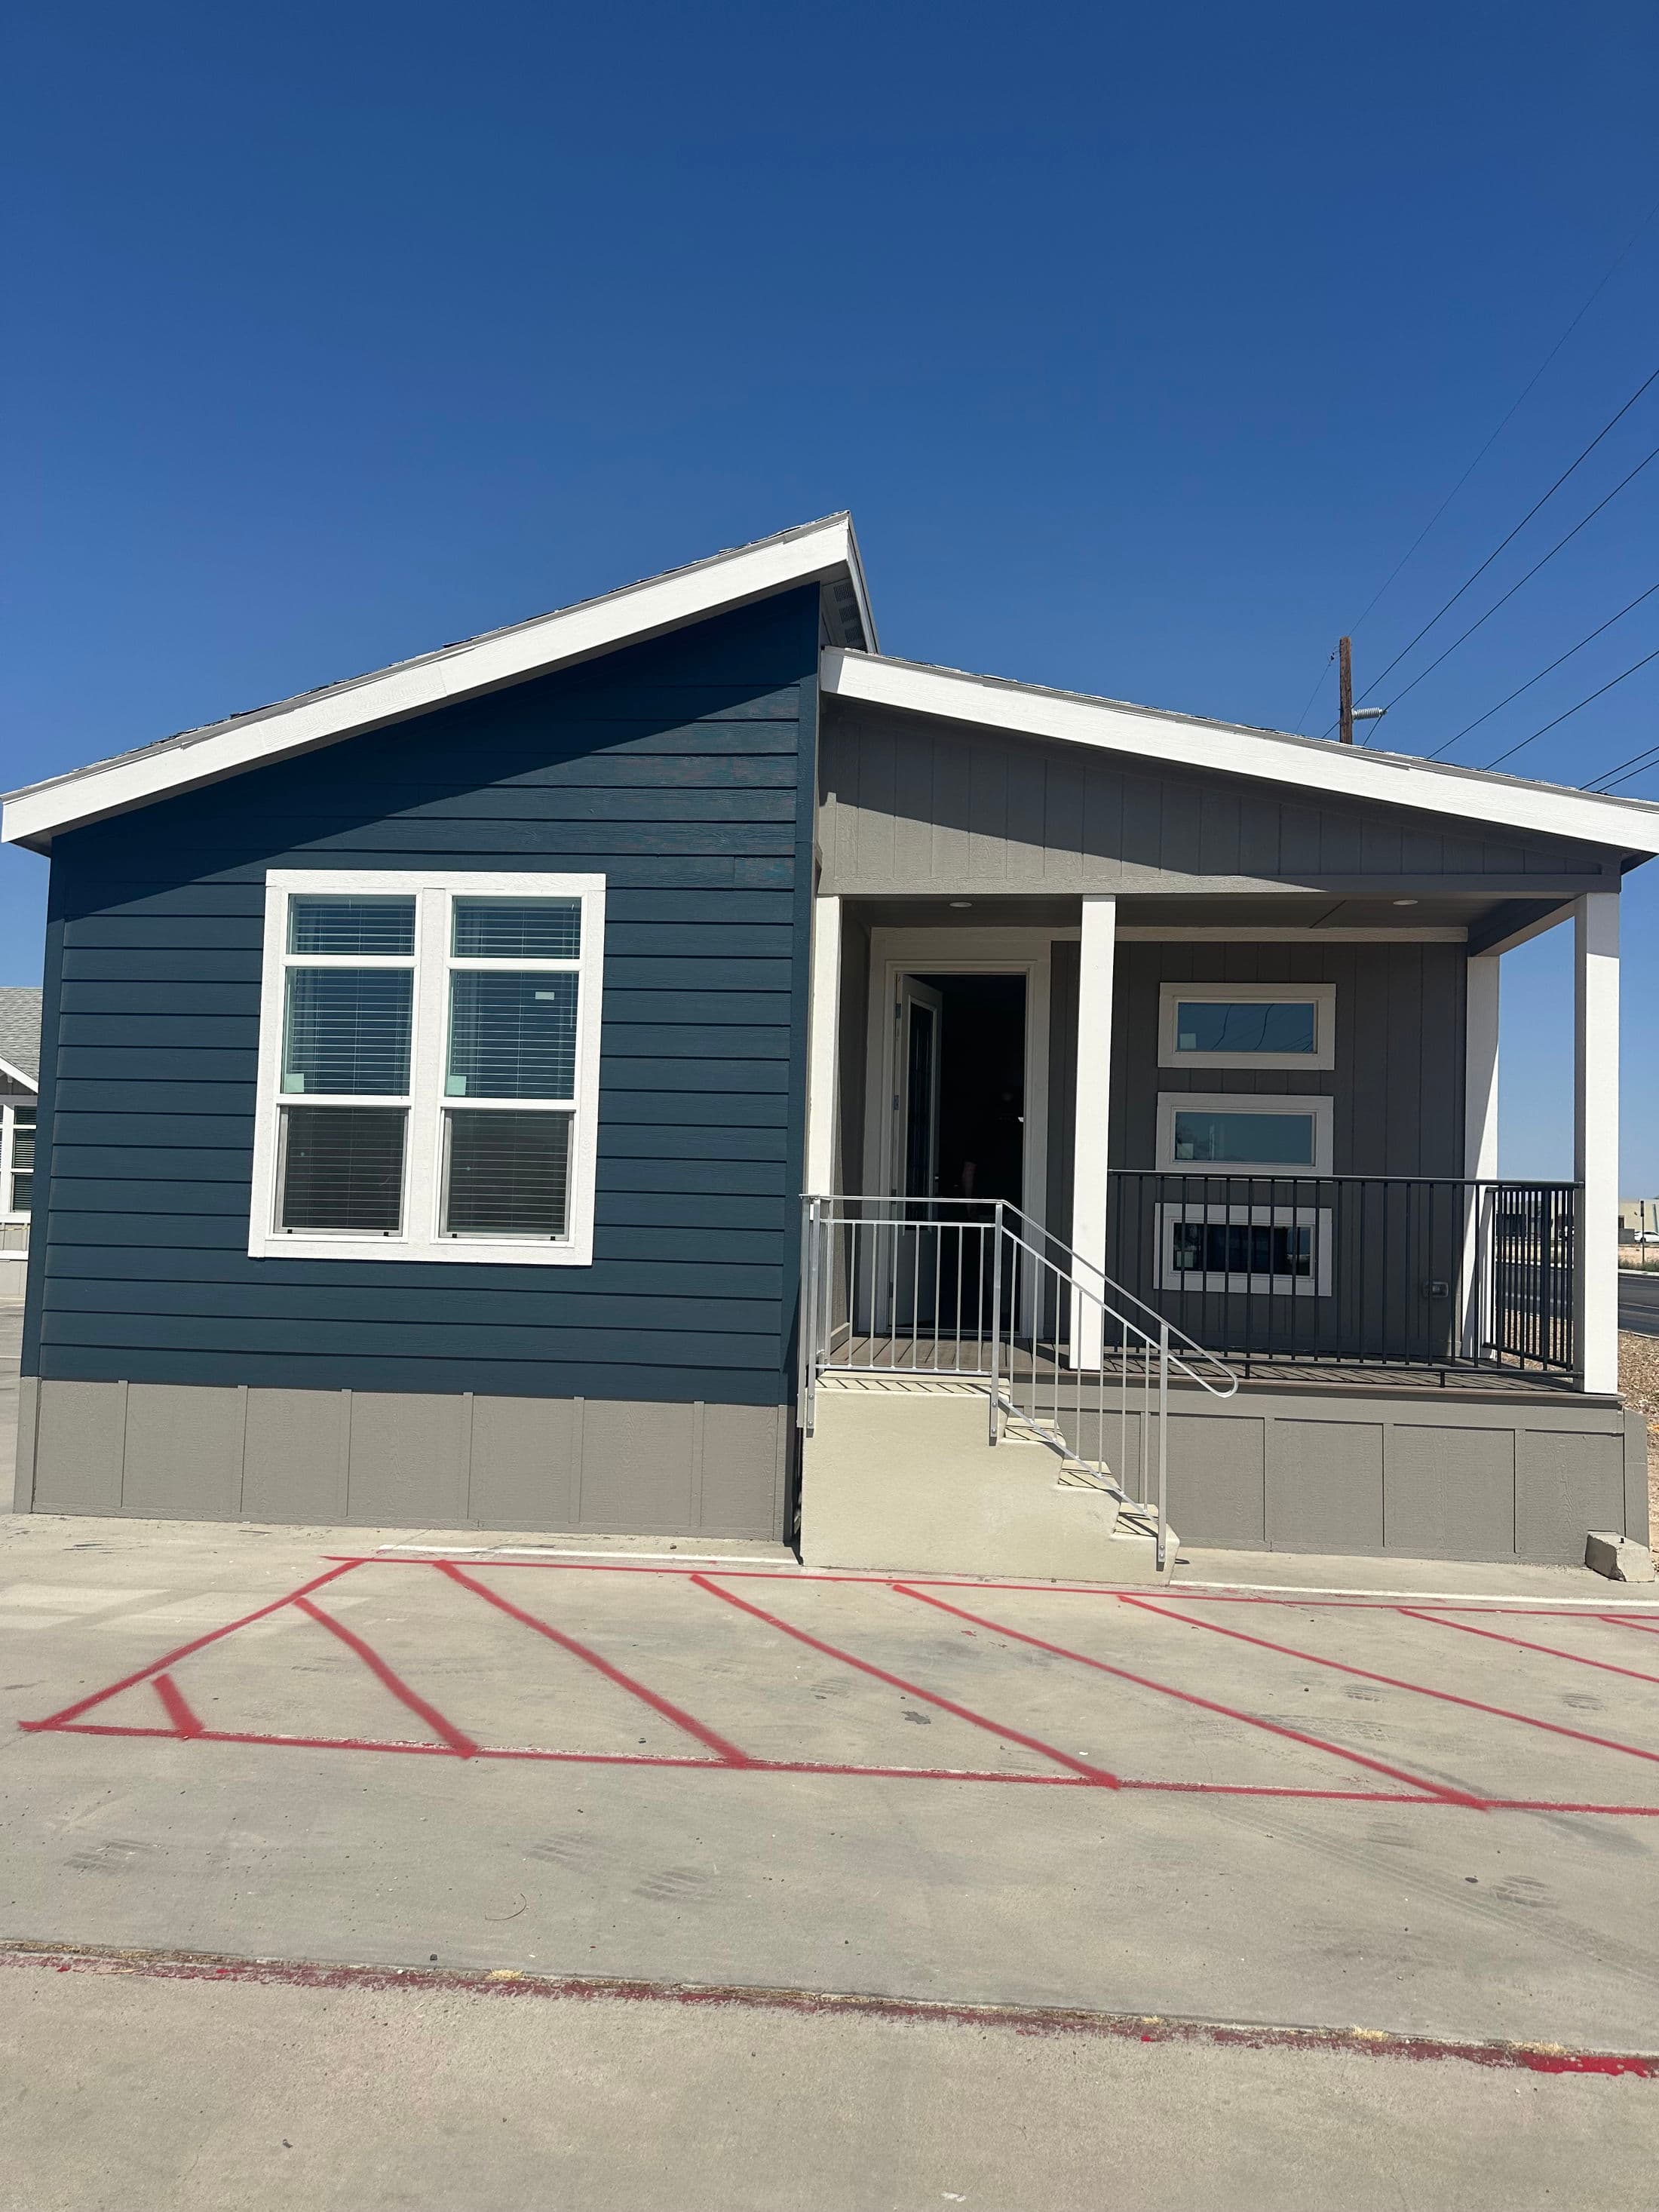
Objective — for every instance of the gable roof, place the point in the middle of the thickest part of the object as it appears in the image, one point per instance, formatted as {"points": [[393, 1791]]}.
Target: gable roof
{"points": [[824, 552], [20, 1035], [1314, 764]]}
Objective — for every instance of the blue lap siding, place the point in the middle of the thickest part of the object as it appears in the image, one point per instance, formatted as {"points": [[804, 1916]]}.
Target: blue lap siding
{"points": [[683, 769]]}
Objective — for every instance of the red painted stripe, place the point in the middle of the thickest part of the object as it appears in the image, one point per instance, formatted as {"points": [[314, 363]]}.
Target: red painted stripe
{"points": [[1096, 1774], [463, 1745], [185, 1721], [1023, 2020], [1394, 1682], [725, 1750], [1624, 1620], [1189, 1697], [806, 1767], [171, 1658], [978, 1583], [1524, 1644]]}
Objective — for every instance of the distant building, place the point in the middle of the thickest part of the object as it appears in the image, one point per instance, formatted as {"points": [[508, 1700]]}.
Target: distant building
{"points": [[20, 1085]]}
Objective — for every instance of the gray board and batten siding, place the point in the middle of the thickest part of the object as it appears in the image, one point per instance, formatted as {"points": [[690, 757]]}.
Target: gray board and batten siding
{"points": [[652, 1390], [910, 806]]}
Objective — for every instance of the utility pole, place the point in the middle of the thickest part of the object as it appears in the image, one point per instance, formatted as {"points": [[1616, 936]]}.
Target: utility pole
{"points": [[1345, 689], [1347, 713]]}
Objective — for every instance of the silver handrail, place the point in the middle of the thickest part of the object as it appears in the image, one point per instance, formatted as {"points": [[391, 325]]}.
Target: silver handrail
{"points": [[950, 1289]]}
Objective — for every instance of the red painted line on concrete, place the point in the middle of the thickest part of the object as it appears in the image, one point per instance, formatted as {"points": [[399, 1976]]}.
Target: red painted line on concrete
{"points": [[1096, 1774], [1524, 1644], [171, 1658], [1190, 1697], [1394, 1682], [1624, 1620], [1021, 2019], [725, 1750], [838, 1771], [185, 1721], [446, 1731]]}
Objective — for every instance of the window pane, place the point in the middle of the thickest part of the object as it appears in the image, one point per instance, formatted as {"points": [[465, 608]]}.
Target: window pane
{"points": [[512, 1036], [342, 1167], [347, 1030], [1285, 1140], [518, 929], [21, 1185], [22, 1141], [508, 1175], [351, 925], [1205, 1026]]}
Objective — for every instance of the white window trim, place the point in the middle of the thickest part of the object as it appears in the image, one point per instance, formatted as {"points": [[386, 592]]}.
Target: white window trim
{"points": [[1171, 1103], [433, 891], [1317, 1217], [10, 1213], [1321, 997]]}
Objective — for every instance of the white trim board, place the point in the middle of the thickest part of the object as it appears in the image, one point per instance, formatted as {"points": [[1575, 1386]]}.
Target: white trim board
{"points": [[17, 1075], [814, 552], [1308, 764]]}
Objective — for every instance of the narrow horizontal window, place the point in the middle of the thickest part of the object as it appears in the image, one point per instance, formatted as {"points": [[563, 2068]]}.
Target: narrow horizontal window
{"points": [[511, 1035], [1272, 1139], [343, 1168], [346, 1031], [518, 929], [1242, 1247], [1271, 1025], [383, 927], [506, 1174]]}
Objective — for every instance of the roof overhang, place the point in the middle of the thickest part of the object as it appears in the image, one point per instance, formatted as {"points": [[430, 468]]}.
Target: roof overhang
{"points": [[824, 552], [1309, 764], [19, 1075]]}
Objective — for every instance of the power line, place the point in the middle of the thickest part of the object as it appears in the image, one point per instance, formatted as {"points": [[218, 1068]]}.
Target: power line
{"points": [[1541, 674], [1613, 268], [1314, 694], [1633, 768], [1570, 711], [1643, 463], [1446, 609]]}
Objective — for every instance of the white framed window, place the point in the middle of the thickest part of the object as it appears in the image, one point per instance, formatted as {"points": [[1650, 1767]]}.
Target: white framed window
{"points": [[1219, 1132], [428, 1067], [17, 1122], [1247, 1025], [1205, 1245]]}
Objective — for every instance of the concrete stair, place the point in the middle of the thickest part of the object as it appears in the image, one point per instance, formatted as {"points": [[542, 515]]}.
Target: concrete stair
{"points": [[900, 1474]]}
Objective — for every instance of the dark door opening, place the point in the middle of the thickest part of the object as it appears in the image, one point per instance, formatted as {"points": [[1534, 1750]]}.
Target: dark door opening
{"points": [[979, 1147]]}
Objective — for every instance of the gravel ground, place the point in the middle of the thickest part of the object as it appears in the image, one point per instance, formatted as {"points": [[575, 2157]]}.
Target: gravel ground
{"points": [[1638, 1381]]}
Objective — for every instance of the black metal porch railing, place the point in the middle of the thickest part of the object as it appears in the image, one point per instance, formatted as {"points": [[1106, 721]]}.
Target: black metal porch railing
{"points": [[1442, 1271]]}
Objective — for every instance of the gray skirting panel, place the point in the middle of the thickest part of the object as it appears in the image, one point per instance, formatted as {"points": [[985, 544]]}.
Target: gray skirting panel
{"points": [[1521, 1475], [385, 1459]]}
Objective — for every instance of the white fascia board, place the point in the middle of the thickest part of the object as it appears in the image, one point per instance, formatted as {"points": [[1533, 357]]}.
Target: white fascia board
{"points": [[18, 1076], [816, 551], [1183, 741]]}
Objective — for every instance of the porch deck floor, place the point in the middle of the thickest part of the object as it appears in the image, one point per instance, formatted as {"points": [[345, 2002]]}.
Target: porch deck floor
{"points": [[964, 1357]]}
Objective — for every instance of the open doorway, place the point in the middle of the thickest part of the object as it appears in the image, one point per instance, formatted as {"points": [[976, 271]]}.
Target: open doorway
{"points": [[963, 1095]]}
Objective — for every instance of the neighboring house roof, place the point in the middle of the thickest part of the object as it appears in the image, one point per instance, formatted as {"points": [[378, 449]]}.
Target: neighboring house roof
{"points": [[1314, 764], [20, 1035], [824, 552]]}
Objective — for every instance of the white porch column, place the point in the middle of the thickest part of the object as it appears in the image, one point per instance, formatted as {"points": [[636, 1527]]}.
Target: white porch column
{"points": [[1480, 1133], [1094, 1074], [1595, 1136], [823, 1028]]}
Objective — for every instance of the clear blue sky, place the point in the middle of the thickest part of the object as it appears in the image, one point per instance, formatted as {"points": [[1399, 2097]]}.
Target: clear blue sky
{"points": [[1141, 342]]}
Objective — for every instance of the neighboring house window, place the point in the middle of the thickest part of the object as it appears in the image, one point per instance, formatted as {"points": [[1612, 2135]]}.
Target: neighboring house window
{"points": [[429, 1067], [16, 1158], [1247, 1025], [1219, 1133]]}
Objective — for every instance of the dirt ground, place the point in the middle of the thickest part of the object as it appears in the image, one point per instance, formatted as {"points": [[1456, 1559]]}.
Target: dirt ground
{"points": [[1639, 1381]]}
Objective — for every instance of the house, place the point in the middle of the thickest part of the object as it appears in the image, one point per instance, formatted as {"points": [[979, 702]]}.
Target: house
{"points": [[666, 1064], [20, 1084]]}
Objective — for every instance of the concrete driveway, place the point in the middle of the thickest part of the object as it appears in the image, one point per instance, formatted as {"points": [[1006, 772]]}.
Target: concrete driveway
{"points": [[1424, 1818]]}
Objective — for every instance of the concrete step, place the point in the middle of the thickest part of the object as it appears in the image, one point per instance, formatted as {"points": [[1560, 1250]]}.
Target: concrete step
{"points": [[905, 1479]]}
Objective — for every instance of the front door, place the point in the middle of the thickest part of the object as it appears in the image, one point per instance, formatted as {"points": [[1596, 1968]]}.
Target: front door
{"points": [[919, 1013]]}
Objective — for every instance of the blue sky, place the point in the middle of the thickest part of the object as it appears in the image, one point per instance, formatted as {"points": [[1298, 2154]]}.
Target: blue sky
{"points": [[1142, 345]]}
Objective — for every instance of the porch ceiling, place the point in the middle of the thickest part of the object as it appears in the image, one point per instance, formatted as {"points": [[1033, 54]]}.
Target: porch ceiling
{"points": [[1311, 911]]}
